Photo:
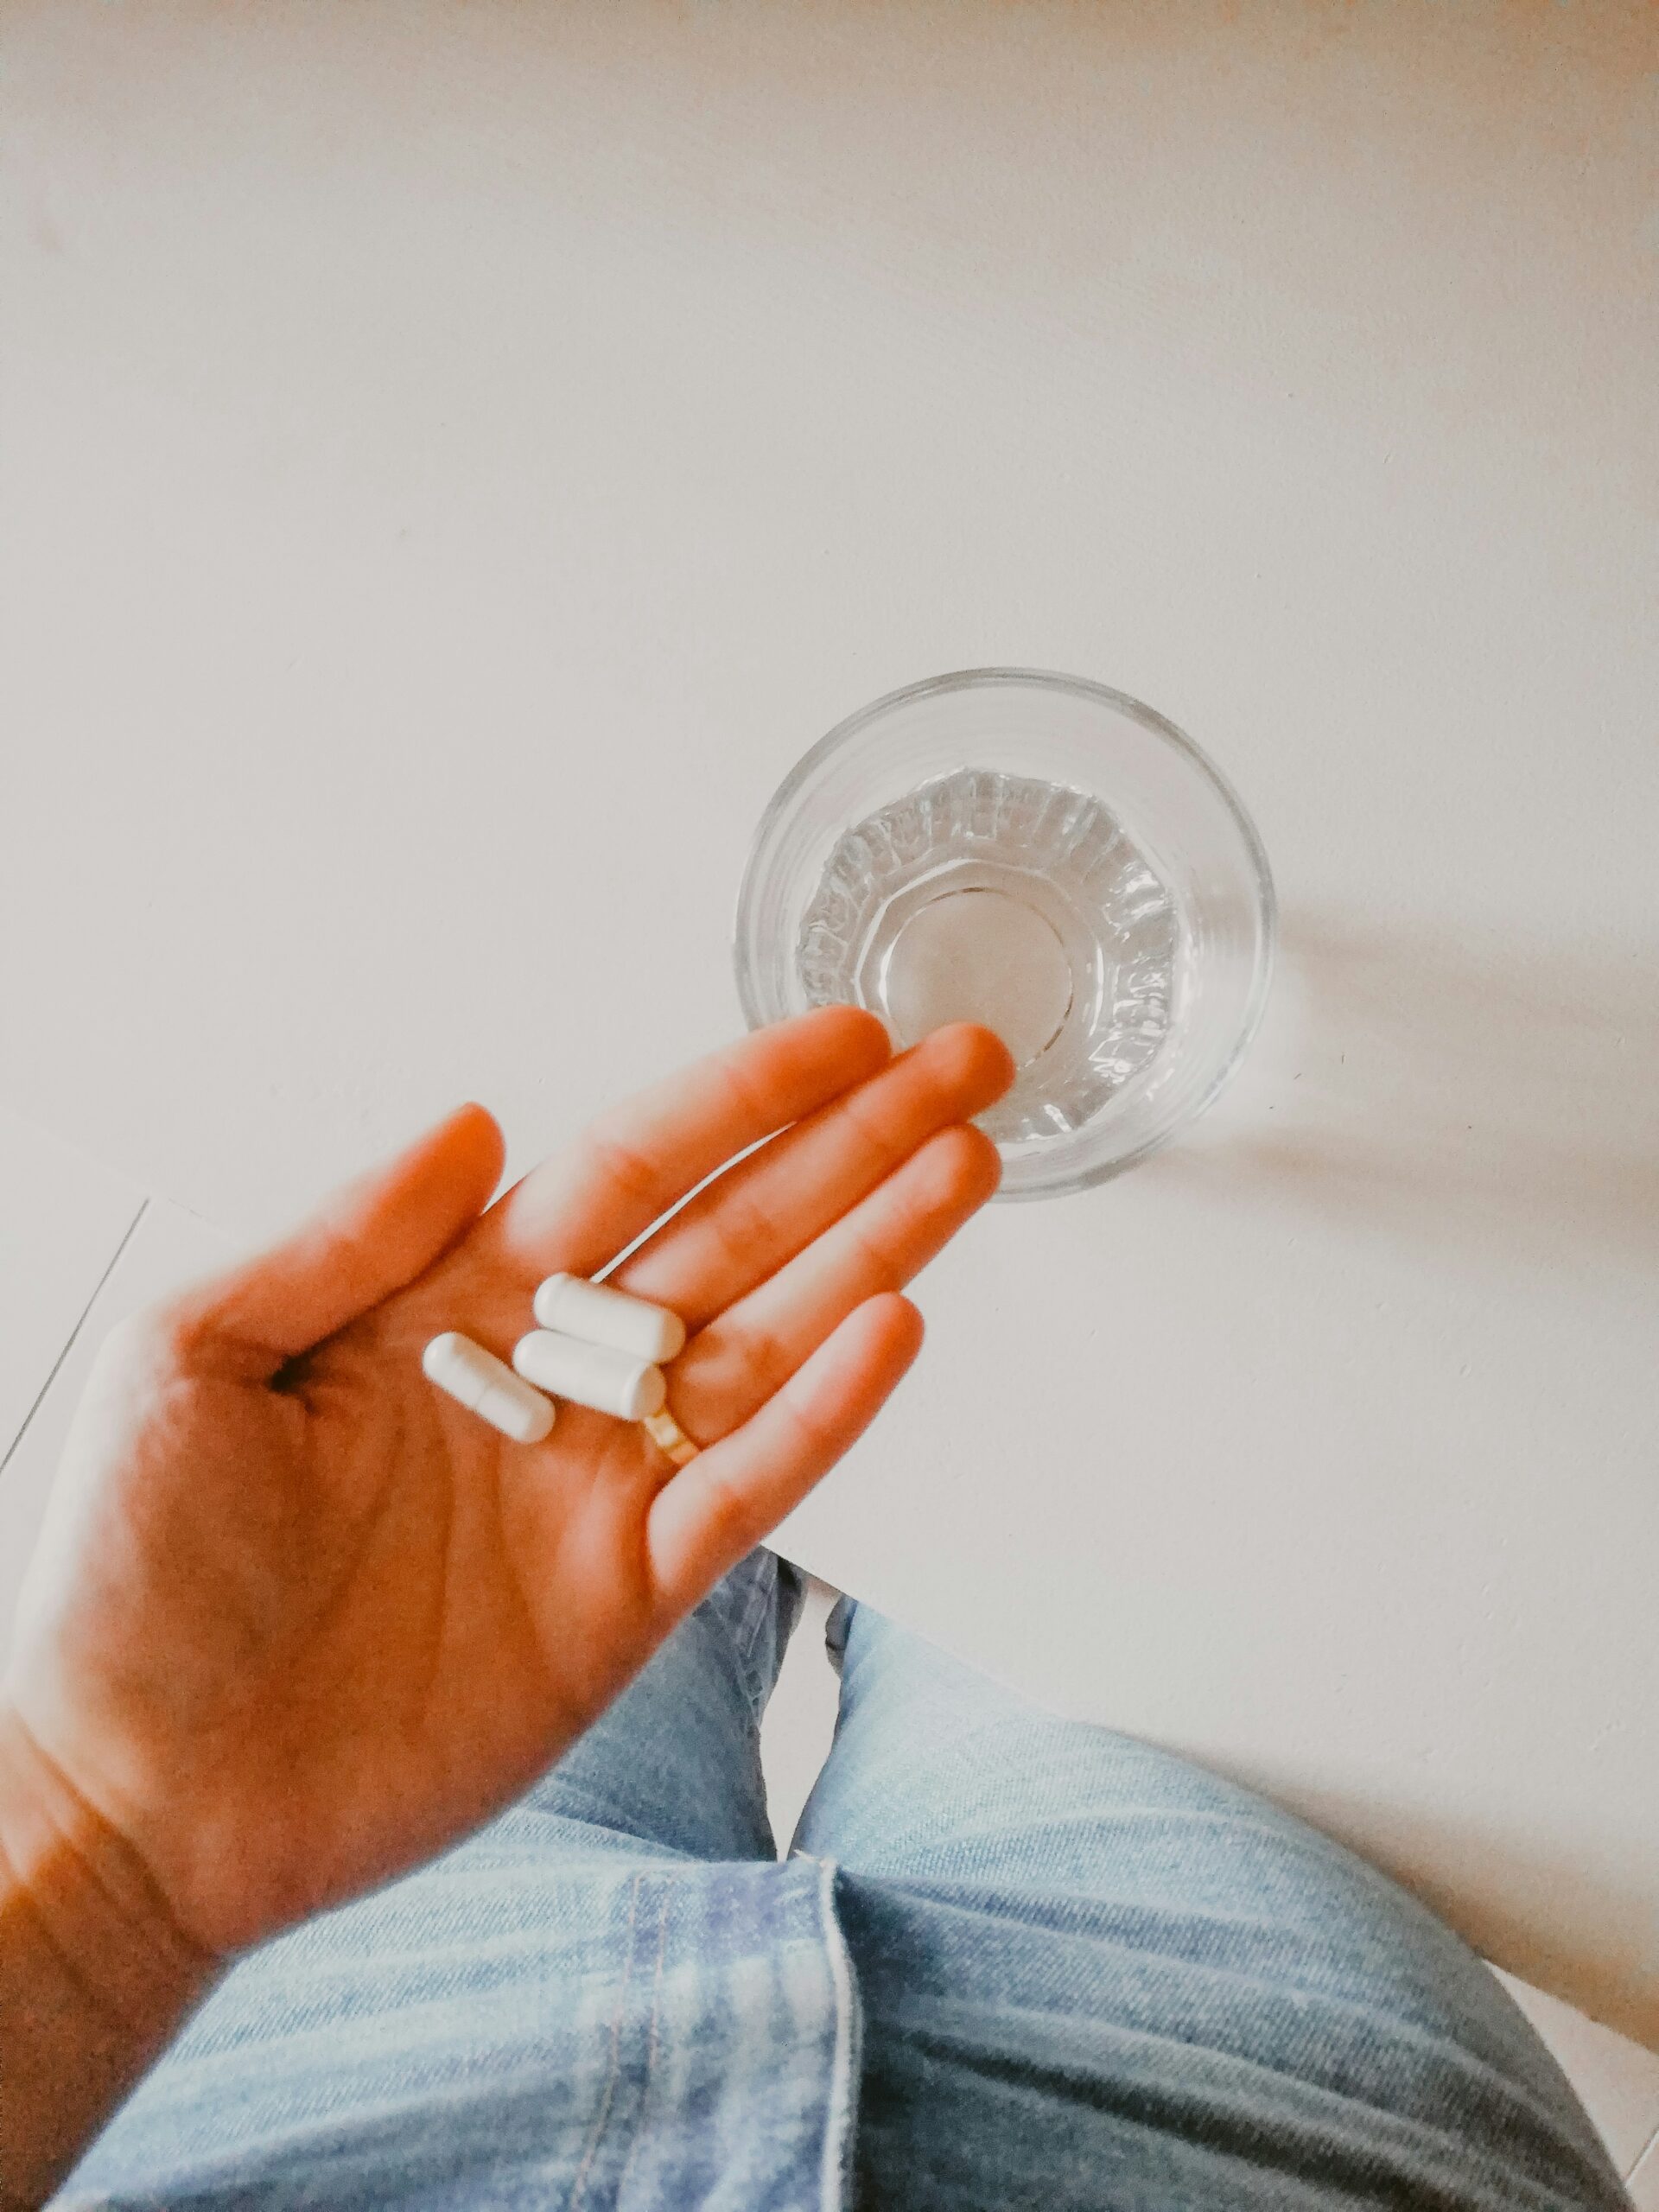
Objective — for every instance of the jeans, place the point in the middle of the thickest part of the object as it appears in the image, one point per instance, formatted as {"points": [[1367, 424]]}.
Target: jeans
{"points": [[1013, 1960]]}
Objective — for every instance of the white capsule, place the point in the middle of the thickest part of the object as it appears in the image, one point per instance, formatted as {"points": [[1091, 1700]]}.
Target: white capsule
{"points": [[591, 1375], [600, 1315], [488, 1387]]}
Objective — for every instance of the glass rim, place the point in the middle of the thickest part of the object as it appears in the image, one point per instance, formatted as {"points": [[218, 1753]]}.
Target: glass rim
{"points": [[783, 800]]}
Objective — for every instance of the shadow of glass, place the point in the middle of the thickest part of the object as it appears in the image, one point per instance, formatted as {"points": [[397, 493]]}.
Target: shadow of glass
{"points": [[1493, 1096]]}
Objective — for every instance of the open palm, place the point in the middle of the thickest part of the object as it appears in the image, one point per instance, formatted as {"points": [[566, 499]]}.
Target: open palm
{"points": [[297, 1620]]}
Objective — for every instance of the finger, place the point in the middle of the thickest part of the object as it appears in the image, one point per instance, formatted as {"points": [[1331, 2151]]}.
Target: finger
{"points": [[765, 1208], [720, 1505], [577, 1211], [730, 1370], [370, 1239]]}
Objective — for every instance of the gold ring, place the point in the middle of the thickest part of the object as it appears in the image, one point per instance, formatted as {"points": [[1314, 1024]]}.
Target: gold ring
{"points": [[669, 1436]]}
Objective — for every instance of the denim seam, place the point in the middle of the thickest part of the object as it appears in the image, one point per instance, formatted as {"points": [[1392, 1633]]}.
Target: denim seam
{"points": [[841, 2106], [604, 2113], [650, 2042]]}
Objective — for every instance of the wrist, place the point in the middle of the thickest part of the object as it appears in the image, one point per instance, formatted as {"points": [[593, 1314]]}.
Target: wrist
{"points": [[87, 1889], [95, 1977]]}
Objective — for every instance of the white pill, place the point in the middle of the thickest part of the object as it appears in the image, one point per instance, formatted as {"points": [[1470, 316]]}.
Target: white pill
{"points": [[591, 1375], [603, 1316], [488, 1387]]}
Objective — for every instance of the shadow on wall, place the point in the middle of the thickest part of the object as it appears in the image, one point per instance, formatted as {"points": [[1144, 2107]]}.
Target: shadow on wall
{"points": [[1479, 1095]]}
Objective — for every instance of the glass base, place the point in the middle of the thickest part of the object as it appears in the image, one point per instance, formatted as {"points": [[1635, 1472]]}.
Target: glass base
{"points": [[1019, 904]]}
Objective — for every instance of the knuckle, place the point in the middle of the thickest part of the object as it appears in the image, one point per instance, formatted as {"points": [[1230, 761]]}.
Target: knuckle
{"points": [[607, 1158], [812, 1438], [873, 1262], [727, 1510], [872, 1130], [945, 1169], [741, 1226], [769, 1360], [756, 1096], [733, 1371]]}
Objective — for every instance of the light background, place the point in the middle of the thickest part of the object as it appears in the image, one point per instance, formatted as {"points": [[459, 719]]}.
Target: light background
{"points": [[453, 458]]}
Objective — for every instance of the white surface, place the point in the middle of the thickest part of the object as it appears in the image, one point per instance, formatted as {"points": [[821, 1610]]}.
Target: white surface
{"points": [[1618, 2082], [799, 1722], [62, 1217], [167, 1248], [456, 457]]}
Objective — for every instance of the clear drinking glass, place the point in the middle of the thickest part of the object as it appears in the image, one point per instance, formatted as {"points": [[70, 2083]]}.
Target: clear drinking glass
{"points": [[1039, 853]]}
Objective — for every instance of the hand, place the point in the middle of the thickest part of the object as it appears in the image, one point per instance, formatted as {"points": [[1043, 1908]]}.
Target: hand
{"points": [[298, 1620]]}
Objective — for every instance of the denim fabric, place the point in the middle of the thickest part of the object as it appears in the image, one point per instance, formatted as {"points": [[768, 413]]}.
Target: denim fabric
{"points": [[1092, 1974], [1016, 1961]]}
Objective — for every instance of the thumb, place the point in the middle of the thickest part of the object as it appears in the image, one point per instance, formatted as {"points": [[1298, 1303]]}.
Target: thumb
{"points": [[367, 1241]]}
